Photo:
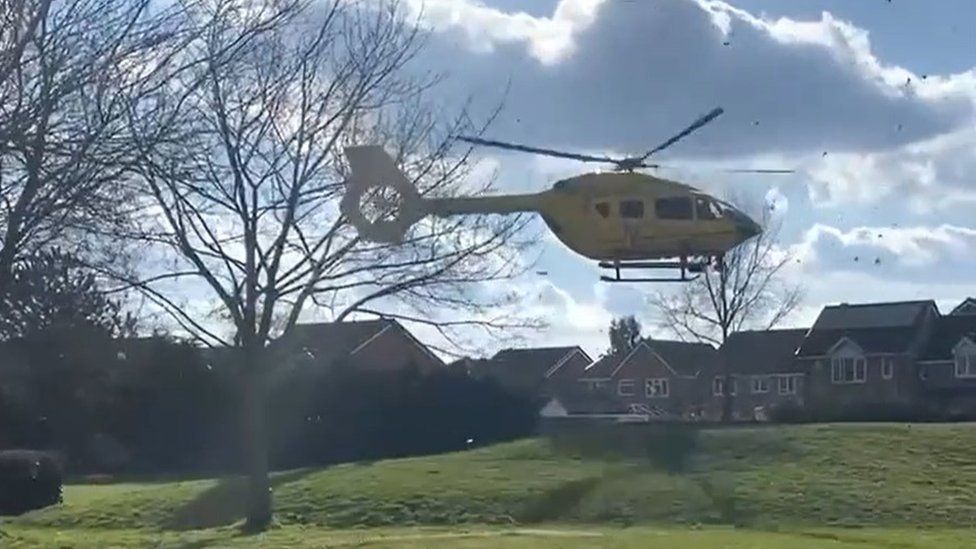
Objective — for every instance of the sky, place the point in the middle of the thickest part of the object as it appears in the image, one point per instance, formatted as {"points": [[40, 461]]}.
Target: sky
{"points": [[872, 102]]}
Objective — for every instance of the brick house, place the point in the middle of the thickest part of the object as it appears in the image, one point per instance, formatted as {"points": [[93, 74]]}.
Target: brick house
{"points": [[660, 378], [867, 353], [764, 372], [948, 362], [537, 371]]}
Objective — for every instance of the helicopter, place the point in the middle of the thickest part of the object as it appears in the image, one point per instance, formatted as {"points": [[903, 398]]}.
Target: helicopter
{"points": [[624, 219]]}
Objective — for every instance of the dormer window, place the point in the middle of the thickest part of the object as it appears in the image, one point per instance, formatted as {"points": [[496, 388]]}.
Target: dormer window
{"points": [[848, 370], [966, 364]]}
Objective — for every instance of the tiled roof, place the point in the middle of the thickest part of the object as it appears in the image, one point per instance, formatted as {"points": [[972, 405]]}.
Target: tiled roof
{"points": [[949, 331], [871, 315], [763, 352], [686, 359], [527, 368]]}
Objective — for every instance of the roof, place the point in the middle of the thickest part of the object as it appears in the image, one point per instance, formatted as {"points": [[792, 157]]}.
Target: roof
{"points": [[870, 340], [967, 307], [871, 315], [763, 352], [577, 399], [875, 327], [684, 358], [948, 332], [527, 368], [336, 340]]}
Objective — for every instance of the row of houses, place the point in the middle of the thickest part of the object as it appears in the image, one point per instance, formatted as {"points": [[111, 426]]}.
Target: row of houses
{"points": [[890, 354], [901, 354]]}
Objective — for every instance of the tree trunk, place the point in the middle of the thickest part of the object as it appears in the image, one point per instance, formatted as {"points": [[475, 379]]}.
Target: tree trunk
{"points": [[259, 506], [728, 400]]}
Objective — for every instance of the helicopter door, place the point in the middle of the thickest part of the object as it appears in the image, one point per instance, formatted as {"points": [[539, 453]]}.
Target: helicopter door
{"points": [[632, 220], [675, 218], [605, 221]]}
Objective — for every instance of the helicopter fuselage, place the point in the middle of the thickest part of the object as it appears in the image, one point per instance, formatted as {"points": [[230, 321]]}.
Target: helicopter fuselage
{"points": [[623, 216]]}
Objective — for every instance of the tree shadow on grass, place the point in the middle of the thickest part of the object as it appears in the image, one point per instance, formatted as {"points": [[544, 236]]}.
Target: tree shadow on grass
{"points": [[224, 503]]}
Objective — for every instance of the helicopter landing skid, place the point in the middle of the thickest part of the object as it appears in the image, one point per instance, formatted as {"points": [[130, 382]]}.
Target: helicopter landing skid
{"points": [[688, 270]]}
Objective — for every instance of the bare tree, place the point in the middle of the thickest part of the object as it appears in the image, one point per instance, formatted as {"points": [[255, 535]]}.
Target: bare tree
{"points": [[66, 70], [241, 161], [749, 292]]}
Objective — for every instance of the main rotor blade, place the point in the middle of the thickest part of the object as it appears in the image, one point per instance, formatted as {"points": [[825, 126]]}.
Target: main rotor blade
{"points": [[758, 170], [536, 150], [712, 115]]}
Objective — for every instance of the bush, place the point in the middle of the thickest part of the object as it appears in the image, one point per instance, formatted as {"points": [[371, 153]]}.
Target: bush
{"points": [[351, 415], [29, 479]]}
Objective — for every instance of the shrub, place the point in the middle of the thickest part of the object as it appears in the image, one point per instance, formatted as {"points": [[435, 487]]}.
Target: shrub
{"points": [[29, 479]]}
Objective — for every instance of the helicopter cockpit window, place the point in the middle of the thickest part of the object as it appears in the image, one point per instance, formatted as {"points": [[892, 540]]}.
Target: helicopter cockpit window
{"points": [[678, 207], [707, 209], [603, 208], [632, 209]]}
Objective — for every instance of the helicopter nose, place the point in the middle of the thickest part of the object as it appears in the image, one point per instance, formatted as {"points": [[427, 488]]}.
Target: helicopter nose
{"points": [[747, 227]]}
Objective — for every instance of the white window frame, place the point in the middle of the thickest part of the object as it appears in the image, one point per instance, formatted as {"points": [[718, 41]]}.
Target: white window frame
{"points": [[786, 385], [965, 365], [718, 386], [629, 384], [653, 387], [887, 368], [838, 366], [760, 385]]}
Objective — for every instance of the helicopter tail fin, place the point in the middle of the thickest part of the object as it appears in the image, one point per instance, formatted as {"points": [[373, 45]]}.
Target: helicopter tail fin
{"points": [[371, 167]]}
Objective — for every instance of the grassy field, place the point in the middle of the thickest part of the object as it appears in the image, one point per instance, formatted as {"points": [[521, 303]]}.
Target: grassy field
{"points": [[803, 486]]}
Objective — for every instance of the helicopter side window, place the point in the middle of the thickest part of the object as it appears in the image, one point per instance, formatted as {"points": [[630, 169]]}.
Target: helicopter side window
{"points": [[603, 208], [678, 207], [706, 209], [632, 209]]}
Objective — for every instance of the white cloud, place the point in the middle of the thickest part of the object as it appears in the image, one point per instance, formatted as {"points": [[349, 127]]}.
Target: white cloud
{"points": [[933, 174], [943, 252], [548, 39]]}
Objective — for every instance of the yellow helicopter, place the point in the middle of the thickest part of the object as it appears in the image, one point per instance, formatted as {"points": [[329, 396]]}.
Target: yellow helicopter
{"points": [[623, 219]]}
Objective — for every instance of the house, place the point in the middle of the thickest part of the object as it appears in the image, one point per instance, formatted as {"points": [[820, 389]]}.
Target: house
{"points": [[536, 371], [370, 345], [866, 353], [657, 377], [948, 364], [764, 373]]}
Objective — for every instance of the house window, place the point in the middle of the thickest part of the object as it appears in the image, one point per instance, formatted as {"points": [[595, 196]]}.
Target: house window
{"points": [[603, 208], [625, 387], [678, 207], [718, 386], [887, 368], [760, 384], [848, 370], [632, 209], [787, 385], [966, 365], [657, 388], [734, 387]]}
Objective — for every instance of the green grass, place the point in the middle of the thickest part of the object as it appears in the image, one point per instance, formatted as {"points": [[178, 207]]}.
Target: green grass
{"points": [[771, 482], [473, 537]]}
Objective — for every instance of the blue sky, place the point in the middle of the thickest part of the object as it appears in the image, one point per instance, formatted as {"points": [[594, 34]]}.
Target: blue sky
{"points": [[886, 89]]}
